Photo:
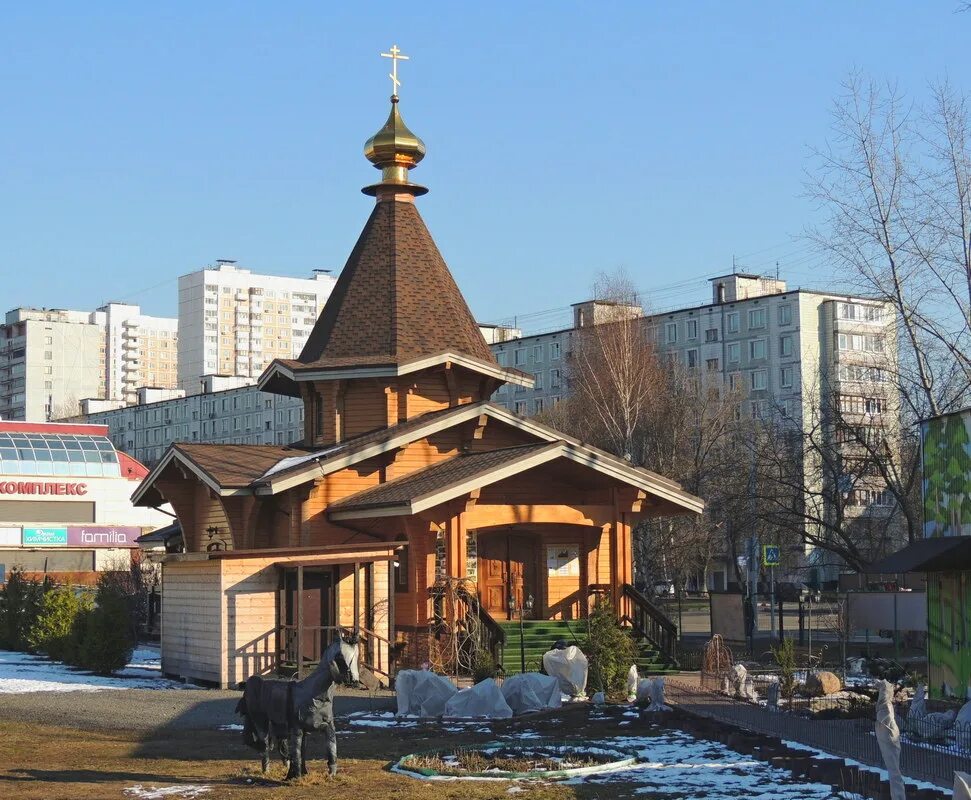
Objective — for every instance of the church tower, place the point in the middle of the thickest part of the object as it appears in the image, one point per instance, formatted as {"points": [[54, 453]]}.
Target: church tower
{"points": [[396, 339]]}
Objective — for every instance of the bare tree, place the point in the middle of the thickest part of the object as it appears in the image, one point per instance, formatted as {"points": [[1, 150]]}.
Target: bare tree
{"points": [[895, 182]]}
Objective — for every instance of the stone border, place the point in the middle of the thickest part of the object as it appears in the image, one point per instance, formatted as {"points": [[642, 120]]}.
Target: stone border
{"points": [[629, 760]]}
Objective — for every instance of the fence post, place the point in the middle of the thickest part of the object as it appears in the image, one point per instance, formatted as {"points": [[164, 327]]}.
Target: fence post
{"points": [[802, 624], [781, 627]]}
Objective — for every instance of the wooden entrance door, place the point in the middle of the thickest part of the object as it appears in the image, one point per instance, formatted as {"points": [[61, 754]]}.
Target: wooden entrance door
{"points": [[507, 567], [318, 609]]}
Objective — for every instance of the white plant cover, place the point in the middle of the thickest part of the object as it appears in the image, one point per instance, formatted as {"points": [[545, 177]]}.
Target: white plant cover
{"points": [[855, 665], [482, 700], [962, 786], [918, 706], [645, 691], [569, 667], [772, 696], [598, 699], [748, 690], [726, 685], [531, 691], [632, 679], [739, 674], [657, 696], [964, 716], [422, 693], [888, 738]]}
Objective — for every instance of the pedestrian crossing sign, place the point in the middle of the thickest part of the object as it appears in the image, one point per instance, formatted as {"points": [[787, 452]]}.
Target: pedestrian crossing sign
{"points": [[770, 555]]}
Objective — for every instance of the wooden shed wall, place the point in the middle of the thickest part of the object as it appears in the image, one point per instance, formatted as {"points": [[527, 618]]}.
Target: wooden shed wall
{"points": [[191, 621]]}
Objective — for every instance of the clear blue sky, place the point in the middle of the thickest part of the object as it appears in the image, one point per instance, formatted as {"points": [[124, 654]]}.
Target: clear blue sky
{"points": [[139, 142]]}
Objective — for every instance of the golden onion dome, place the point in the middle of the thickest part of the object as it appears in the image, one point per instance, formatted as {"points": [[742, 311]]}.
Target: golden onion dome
{"points": [[394, 150]]}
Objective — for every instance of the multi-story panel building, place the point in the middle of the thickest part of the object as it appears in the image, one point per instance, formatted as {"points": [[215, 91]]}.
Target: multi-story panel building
{"points": [[139, 351], [795, 354], [51, 359], [235, 322], [242, 415]]}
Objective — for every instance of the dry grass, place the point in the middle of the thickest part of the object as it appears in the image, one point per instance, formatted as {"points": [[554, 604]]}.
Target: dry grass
{"points": [[52, 763], [468, 762]]}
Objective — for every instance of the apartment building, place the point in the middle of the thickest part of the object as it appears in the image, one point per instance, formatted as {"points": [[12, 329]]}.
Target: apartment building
{"points": [[239, 415], [785, 353], [139, 351], [51, 359], [234, 322]]}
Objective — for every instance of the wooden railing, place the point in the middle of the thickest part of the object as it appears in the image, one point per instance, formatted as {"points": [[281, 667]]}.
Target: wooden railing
{"points": [[652, 623], [474, 617], [375, 649]]}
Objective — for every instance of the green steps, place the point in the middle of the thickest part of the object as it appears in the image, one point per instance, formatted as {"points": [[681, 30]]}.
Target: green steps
{"points": [[539, 636]]}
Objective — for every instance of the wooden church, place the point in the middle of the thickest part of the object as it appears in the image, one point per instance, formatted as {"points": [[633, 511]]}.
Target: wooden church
{"points": [[407, 478]]}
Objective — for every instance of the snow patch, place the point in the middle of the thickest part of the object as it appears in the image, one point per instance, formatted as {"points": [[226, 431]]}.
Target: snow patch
{"points": [[187, 790], [21, 673]]}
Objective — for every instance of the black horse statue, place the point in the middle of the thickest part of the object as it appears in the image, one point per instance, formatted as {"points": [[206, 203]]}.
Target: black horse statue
{"points": [[282, 713]]}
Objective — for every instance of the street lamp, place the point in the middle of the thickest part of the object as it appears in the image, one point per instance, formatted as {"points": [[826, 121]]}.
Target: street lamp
{"points": [[526, 607]]}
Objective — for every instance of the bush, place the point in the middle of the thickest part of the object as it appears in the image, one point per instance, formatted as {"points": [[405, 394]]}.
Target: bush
{"points": [[483, 666], [785, 659], [105, 638], [609, 649], [51, 631], [20, 604]]}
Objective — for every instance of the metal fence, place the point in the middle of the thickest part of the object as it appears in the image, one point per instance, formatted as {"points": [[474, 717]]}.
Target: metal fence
{"points": [[853, 738]]}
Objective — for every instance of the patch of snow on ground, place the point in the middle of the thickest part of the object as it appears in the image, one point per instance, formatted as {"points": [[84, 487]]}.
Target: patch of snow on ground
{"points": [[379, 719], [884, 775], [187, 790], [23, 672], [233, 726]]}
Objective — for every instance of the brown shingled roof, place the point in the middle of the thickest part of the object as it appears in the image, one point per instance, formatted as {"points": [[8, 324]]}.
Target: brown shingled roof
{"points": [[234, 466], [394, 301], [437, 477]]}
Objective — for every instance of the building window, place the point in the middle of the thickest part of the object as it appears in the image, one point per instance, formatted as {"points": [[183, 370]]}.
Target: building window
{"points": [[48, 355], [538, 405], [758, 380], [520, 356], [691, 327], [785, 345], [692, 359], [48, 370], [712, 365], [521, 408], [860, 313], [401, 567], [711, 335], [732, 321], [554, 378], [554, 401], [785, 314], [538, 380], [756, 318], [785, 377], [554, 351], [538, 353], [734, 352], [759, 408], [501, 358], [860, 342], [48, 340], [733, 381], [671, 332], [756, 349]]}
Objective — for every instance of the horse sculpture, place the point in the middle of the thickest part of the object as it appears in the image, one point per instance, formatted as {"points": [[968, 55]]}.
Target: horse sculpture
{"points": [[282, 713]]}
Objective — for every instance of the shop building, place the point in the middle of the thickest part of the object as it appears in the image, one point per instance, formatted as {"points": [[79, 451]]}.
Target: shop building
{"points": [[65, 501]]}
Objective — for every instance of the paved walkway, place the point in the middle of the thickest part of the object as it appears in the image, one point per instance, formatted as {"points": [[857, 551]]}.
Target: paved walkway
{"points": [[853, 738]]}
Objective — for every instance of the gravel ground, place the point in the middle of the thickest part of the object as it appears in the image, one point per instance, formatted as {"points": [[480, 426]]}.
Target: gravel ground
{"points": [[152, 710]]}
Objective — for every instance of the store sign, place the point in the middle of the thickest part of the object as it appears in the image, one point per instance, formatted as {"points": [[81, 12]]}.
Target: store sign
{"points": [[60, 488], [10, 537], [45, 537], [102, 535]]}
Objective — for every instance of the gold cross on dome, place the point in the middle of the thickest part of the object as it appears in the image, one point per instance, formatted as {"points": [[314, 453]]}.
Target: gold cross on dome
{"points": [[395, 56]]}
